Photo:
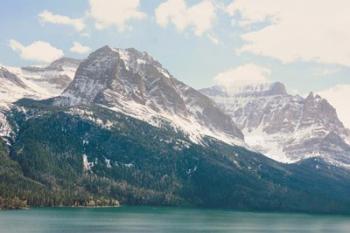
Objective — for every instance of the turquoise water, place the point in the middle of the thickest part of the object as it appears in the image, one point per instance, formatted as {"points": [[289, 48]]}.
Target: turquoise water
{"points": [[169, 220]]}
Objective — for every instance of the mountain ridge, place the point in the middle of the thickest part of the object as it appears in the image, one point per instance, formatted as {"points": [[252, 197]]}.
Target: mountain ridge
{"points": [[32, 82], [126, 131], [136, 84], [286, 127]]}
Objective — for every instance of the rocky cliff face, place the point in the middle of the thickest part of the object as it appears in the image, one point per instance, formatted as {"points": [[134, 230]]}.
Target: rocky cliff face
{"points": [[134, 83], [285, 127]]}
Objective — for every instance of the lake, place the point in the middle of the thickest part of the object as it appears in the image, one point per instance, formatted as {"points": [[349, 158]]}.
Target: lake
{"points": [[169, 220]]}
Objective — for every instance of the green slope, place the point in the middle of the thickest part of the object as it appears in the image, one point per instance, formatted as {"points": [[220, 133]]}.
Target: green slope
{"points": [[139, 164]]}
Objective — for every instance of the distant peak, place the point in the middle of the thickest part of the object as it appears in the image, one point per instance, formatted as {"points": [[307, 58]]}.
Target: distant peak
{"points": [[313, 96], [110, 48], [214, 91], [104, 49], [65, 61], [278, 88], [258, 89], [132, 51]]}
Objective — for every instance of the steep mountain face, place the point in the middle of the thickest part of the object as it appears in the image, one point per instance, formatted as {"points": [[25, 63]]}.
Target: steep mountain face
{"points": [[285, 127], [133, 83]]}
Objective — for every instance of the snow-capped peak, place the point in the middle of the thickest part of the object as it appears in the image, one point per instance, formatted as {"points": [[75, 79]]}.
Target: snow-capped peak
{"points": [[33, 82], [134, 83], [284, 127], [241, 90]]}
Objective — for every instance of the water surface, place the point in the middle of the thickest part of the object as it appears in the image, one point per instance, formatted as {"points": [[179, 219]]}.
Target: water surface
{"points": [[169, 220]]}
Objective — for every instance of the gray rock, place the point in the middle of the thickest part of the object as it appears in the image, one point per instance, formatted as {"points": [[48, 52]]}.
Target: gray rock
{"points": [[283, 126], [137, 84]]}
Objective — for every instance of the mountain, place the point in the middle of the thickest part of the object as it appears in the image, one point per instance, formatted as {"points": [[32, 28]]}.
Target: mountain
{"points": [[287, 128], [52, 79], [33, 82], [36, 82], [13, 87], [72, 155], [133, 83], [125, 130]]}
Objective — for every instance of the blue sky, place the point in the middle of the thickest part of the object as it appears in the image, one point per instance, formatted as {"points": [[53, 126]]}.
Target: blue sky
{"points": [[192, 57]]}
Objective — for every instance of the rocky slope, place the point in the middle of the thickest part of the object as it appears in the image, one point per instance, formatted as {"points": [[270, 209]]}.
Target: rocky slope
{"points": [[52, 79], [285, 127], [133, 83], [34, 83]]}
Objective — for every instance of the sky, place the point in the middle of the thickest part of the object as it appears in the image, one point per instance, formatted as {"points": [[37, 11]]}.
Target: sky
{"points": [[303, 44]]}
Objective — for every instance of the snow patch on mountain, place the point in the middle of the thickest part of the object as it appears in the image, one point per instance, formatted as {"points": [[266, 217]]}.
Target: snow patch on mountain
{"points": [[132, 82], [32, 82], [5, 128], [284, 127], [36, 82]]}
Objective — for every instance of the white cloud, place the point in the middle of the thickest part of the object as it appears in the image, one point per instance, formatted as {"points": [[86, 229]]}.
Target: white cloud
{"points": [[39, 51], [199, 17], [311, 30], [242, 75], [79, 48], [339, 96], [326, 71], [49, 17], [213, 39], [117, 13]]}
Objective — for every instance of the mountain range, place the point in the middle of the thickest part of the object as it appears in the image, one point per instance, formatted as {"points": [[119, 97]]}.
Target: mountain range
{"points": [[284, 127], [118, 127], [33, 82], [134, 83]]}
